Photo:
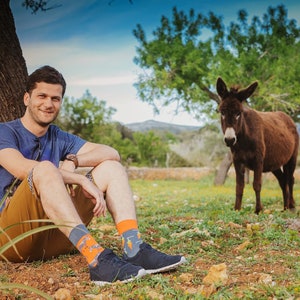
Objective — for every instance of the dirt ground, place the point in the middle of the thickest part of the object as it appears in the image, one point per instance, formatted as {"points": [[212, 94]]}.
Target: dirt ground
{"points": [[58, 277], [47, 276]]}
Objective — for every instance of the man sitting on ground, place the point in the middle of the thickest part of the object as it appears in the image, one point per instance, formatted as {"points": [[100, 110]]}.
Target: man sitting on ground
{"points": [[36, 186]]}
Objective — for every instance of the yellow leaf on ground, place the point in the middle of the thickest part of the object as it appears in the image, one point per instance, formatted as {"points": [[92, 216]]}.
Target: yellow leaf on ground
{"points": [[242, 246]]}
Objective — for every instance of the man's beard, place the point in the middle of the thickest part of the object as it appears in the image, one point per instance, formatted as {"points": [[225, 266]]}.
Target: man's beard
{"points": [[43, 124], [39, 121]]}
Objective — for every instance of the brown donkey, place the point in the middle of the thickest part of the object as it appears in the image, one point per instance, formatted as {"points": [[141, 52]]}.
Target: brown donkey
{"points": [[260, 141]]}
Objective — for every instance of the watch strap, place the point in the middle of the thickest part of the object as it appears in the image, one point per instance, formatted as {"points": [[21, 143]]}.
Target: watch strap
{"points": [[73, 158]]}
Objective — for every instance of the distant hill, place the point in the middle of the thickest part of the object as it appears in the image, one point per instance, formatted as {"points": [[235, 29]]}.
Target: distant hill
{"points": [[197, 146], [160, 126]]}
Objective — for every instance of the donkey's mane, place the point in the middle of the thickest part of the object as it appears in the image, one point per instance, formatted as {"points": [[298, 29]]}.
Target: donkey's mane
{"points": [[234, 89]]}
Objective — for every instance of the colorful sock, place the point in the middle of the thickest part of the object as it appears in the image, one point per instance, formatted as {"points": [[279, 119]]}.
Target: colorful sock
{"points": [[131, 237], [86, 244]]}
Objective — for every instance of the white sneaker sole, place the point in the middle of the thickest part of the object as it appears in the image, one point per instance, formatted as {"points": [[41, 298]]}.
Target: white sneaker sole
{"points": [[167, 268], [140, 274]]}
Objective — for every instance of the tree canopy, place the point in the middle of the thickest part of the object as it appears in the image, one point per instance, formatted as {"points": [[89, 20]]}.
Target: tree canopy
{"points": [[87, 116], [38, 5], [186, 54], [91, 119]]}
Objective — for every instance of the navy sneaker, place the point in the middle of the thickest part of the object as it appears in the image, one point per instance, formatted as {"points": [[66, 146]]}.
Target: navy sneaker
{"points": [[154, 261], [111, 268]]}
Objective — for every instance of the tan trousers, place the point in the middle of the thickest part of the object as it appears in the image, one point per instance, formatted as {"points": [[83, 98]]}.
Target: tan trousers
{"points": [[25, 206]]}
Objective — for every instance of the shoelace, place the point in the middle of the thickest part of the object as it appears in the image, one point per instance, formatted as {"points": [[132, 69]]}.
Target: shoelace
{"points": [[116, 261]]}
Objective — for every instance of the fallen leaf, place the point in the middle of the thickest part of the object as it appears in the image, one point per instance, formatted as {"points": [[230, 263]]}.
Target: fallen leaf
{"points": [[294, 224], [265, 279], [234, 225], [186, 277], [242, 246]]}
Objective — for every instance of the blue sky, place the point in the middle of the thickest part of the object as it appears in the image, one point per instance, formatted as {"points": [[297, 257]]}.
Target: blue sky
{"points": [[91, 43]]}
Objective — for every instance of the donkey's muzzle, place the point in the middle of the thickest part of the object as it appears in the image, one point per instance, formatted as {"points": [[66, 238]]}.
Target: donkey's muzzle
{"points": [[229, 137], [230, 141]]}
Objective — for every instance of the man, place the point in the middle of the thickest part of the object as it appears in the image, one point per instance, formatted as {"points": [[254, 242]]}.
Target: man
{"points": [[36, 187]]}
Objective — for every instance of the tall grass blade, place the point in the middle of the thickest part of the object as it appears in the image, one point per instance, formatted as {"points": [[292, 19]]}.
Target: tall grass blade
{"points": [[11, 286]]}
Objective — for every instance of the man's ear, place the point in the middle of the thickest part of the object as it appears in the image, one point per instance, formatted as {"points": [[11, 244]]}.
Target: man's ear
{"points": [[26, 98]]}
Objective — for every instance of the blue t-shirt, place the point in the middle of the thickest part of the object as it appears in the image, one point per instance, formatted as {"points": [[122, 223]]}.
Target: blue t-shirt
{"points": [[53, 146]]}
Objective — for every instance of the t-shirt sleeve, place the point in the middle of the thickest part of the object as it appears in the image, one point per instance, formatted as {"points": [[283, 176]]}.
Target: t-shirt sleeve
{"points": [[8, 138], [71, 143]]}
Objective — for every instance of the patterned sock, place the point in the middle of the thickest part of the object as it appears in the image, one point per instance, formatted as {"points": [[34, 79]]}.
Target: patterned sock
{"points": [[131, 237], [86, 244]]}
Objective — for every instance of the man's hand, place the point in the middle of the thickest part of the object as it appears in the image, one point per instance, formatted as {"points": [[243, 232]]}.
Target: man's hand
{"points": [[67, 165], [92, 192]]}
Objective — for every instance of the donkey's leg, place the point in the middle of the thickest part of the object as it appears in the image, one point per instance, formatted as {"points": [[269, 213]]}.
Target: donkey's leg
{"points": [[291, 204], [282, 180], [257, 188], [289, 170], [240, 184]]}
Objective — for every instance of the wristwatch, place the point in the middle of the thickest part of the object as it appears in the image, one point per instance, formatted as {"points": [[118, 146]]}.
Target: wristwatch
{"points": [[73, 158]]}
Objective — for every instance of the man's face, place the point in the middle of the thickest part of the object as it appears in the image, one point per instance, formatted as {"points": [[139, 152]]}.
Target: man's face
{"points": [[44, 102]]}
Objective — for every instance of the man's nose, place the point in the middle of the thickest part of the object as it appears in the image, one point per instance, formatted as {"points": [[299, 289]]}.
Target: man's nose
{"points": [[48, 102]]}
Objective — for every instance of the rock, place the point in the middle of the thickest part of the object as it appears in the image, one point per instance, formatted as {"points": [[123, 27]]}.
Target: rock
{"points": [[51, 281], [207, 290], [62, 294], [136, 197], [217, 275]]}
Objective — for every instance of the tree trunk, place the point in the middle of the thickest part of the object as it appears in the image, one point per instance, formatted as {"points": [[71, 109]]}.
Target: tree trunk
{"points": [[223, 169], [247, 176], [13, 70]]}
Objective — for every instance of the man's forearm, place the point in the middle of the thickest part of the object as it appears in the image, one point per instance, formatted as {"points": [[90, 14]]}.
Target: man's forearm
{"points": [[91, 154], [70, 177]]}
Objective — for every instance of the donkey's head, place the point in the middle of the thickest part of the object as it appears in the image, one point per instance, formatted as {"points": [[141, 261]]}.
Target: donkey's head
{"points": [[231, 109]]}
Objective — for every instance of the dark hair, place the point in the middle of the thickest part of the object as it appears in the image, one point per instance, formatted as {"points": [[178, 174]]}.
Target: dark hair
{"points": [[45, 74]]}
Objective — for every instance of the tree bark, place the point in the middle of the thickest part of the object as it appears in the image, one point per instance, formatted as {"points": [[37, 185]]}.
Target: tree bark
{"points": [[223, 169], [247, 176], [13, 70]]}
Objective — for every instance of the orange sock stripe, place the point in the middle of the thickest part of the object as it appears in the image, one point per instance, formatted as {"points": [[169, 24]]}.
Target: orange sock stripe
{"points": [[89, 248], [126, 225]]}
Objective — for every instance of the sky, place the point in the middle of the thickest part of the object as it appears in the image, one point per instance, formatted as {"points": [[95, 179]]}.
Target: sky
{"points": [[91, 43]]}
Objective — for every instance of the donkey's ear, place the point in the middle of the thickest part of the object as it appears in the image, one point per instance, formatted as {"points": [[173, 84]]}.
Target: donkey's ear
{"points": [[221, 88], [247, 92]]}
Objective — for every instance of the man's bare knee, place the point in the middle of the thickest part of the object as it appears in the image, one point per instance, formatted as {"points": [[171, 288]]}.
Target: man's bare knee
{"points": [[45, 173], [109, 168]]}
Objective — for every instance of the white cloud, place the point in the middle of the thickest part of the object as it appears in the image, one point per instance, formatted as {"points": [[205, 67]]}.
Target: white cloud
{"points": [[106, 81]]}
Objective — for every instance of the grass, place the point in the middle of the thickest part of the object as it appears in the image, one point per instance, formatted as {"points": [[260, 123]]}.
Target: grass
{"points": [[196, 218]]}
